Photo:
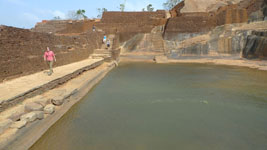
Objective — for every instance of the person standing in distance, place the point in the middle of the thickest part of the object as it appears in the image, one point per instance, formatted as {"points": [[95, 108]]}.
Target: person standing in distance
{"points": [[104, 39], [49, 57], [93, 28]]}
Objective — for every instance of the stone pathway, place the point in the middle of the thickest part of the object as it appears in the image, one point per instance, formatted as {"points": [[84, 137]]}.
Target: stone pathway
{"points": [[12, 89], [23, 124]]}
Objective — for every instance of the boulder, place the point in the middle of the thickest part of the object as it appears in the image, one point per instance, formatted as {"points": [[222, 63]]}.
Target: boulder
{"points": [[49, 109], [29, 117], [33, 107], [59, 97], [205, 5], [19, 124], [57, 100], [15, 116], [5, 124], [43, 101], [39, 114]]}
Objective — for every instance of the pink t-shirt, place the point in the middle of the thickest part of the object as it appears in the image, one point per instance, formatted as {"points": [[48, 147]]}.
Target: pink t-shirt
{"points": [[49, 55]]}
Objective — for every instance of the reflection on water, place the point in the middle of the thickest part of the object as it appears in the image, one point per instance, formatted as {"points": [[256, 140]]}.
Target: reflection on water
{"points": [[167, 107]]}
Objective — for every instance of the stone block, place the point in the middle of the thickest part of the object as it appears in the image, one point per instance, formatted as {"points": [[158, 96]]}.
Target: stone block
{"points": [[33, 107], [49, 109], [19, 124], [43, 101], [57, 100], [29, 117]]}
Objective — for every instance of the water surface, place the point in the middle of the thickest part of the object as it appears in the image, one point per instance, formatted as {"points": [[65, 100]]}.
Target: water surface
{"points": [[167, 107]]}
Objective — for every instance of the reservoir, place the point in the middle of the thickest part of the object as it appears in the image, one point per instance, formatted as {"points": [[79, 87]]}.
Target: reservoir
{"points": [[143, 106]]}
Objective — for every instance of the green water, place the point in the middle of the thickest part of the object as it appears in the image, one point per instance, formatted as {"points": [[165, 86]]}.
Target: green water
{"points": [[167, 107]]}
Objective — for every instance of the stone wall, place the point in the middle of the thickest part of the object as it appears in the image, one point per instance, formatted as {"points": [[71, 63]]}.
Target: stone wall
{"points": [[189, 23], [21, 51], [132, 17], [128, 24], [52, 26], [80, 26], [64, 26]]}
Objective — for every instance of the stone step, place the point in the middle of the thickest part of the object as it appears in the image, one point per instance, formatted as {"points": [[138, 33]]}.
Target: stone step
{"points": [[99, 56], [106, 53], [102, 51]]}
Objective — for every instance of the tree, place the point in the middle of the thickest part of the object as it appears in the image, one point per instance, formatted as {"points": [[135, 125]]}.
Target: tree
{"points": [[122, 7], [149, 7], [81, 14], [100, 12], [76, 15], [170, 4]]}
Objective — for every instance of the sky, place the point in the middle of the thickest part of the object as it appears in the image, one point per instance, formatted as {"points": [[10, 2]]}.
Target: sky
{"points": [[26, 13]]}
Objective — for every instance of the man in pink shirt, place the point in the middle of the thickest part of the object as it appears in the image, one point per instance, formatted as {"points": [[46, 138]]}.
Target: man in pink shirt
{"points": [[49, 57]]}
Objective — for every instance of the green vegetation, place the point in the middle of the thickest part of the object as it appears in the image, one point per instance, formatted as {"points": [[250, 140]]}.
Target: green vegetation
{"points": [[81, 14], [77, 15], [122, 6], [149, 7]]}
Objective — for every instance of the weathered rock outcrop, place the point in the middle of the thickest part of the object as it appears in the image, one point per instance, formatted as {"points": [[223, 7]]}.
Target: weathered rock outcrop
{"points": [[247, 40], [146, 42], [256, 45], [194, 17], [205, 28], [205, 5]]}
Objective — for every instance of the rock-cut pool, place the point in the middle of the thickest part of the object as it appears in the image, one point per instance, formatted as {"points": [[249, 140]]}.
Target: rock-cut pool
{"points": [[167, 107]]}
